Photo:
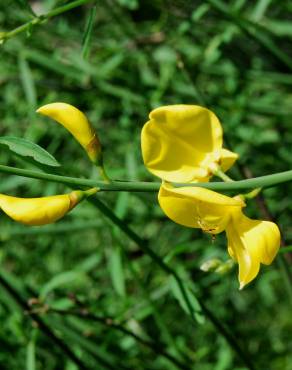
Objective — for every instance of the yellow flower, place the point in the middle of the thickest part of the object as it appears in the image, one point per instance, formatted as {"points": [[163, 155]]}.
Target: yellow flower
{"points": [[42, 211], [76, 123], [250, 242], [183, 143]]}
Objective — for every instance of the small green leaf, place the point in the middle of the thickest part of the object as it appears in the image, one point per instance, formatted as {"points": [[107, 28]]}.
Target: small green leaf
{"points": [[66, 278], [188, 302], [27, 148], [117, 271], [31, 351], [28, 84], [25, 4], [88, 32]]}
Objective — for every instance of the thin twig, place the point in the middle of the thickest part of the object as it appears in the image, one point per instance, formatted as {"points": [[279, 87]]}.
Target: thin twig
{"points": [[256, 182], [41, 19]]}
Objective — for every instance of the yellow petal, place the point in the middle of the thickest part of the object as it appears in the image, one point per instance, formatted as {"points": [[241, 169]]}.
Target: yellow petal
{"points": [[41, 211], [227, 159], [176, 140], [77, 124], [35, 211], [197, 207], [250, 243]]}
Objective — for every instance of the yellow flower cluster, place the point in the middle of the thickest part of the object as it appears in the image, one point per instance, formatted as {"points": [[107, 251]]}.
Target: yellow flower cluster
{"points": [[180, 144], [183, 144]]}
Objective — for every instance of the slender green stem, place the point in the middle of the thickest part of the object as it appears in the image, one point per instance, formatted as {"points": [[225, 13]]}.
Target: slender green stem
{"points": [[285, 270], [256, 182], [130, 233], [252, 194], [41, 19], [219, 173], [286, 273], [285, 249], [103, 174], [159, 317], [78, 182]]}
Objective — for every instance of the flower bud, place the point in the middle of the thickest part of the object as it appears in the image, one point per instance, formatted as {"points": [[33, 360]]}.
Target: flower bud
{"points": [[210, 265], [225, 267], [77, 123], [44, 210]]}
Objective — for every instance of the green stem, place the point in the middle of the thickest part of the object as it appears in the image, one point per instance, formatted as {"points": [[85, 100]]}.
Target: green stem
{"points": [[286, 273], [252, 194], [41, 19], [287, 268], [103, 173], [158, 317], [256, 182], [219, 173], [247, 196], [285, 249]]}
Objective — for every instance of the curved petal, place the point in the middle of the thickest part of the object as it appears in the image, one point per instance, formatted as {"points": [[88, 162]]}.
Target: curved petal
{"points": [[197, 207], [176, 140], [42, 211], [76, 123], [250, 243], [35, 211]]}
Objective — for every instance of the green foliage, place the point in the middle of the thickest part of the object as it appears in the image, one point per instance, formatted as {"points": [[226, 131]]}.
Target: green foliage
{"points": [[26, 148], [116, 60]]}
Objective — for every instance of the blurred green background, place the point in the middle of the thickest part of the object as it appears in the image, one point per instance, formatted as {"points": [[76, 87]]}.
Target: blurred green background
{"points": [[116, 60]]}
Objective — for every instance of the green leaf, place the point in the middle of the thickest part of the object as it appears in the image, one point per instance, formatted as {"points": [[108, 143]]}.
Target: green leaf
{"points": [[31, 351], [25, 4], [27, 82], [117, 271], [88, 32], [188, 301], [70, 278], [27, 148]]}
